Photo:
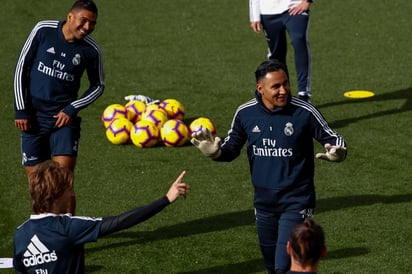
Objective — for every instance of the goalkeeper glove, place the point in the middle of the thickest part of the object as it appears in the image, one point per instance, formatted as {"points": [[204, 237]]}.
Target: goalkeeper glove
{"points": [[205, 142], [333, 153], [143, 98]]}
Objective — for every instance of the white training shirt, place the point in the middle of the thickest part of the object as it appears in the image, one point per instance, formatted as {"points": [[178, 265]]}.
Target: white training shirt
{"points": [[258, 7]]}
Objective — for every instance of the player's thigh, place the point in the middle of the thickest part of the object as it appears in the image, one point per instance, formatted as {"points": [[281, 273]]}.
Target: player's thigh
{"points": [[267, 227], [273, 25], [35, 148], [275, 33], [288, 221], [65, 140], [68, 161], [297, 27]]}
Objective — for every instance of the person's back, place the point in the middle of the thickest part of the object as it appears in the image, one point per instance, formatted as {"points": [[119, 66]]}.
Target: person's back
{"points": [[54, 243], [52, 240]]}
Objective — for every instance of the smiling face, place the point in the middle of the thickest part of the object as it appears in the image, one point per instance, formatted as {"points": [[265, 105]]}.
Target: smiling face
{"points": [[274, 88], [80, 22]]}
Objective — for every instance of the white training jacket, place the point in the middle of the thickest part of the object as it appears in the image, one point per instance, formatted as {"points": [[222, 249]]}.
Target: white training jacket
{"points": [[266, 7]]}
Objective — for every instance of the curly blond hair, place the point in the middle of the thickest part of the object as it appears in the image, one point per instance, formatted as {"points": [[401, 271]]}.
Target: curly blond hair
{"points": [[47, 183]]}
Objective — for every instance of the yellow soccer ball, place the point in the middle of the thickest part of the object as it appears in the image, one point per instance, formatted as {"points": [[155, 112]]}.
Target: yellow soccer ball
{"points": [[113, 111], [174, 108], [156, 116], [144, 134], [203, 122], [153, 107], [135, 110], [174, 133], [118, 131]]}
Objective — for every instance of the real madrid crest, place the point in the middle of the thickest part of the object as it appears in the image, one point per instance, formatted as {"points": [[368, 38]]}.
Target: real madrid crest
{"points": [[288, 130], [76, 59]]}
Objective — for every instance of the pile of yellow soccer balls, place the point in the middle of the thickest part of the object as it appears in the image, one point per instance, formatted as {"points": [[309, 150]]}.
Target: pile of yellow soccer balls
{"points": [[148, 124]]}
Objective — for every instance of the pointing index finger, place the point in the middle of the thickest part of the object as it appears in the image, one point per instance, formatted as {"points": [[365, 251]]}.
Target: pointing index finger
{"points": [[181, 176]]}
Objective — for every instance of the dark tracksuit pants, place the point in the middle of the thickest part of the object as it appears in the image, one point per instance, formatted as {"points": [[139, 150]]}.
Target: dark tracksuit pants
{"points": [[297, 26], [274, 232]]}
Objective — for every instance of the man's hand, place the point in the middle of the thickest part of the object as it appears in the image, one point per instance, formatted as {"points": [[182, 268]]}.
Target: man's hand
{"points": [[205, 142], [62, 119], [178, 188], [333, 153], [255, 26], [22, 124], [301, 8]]}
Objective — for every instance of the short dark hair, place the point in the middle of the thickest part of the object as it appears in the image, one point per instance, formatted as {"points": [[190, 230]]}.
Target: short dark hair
{"points": [[85, 4], [307, 241], [269, 66]]}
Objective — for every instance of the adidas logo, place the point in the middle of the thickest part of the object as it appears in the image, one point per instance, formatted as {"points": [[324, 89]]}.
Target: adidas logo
{"points": [[51, 50], [37, 253], [256, 129]]}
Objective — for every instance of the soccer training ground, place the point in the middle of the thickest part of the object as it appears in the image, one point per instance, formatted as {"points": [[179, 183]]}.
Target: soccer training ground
{"points": [[203, 53]]}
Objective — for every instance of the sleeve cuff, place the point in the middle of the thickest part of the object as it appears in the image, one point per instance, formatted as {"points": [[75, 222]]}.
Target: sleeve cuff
{"points": [[70, 110], [20, 114]]}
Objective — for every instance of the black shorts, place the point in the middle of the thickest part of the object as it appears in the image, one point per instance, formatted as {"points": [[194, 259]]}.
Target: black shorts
{"points": [[44, 140]]}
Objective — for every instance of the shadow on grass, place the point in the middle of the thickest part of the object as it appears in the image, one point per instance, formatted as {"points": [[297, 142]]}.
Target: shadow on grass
{"points": [[93, 268], [346, 253], [336, 203], [236, 219], [256, 265], [405, 94], [199, 226], [251, 266]]}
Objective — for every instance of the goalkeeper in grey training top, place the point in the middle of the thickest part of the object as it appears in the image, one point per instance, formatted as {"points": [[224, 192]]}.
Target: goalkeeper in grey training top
{"points": [[279, 130]]}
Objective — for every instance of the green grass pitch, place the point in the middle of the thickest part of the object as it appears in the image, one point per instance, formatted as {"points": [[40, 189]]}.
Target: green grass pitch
{"points": [[204, 53]]}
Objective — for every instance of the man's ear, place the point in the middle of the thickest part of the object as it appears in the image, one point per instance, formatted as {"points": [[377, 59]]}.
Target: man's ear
{"points": [[70, 16], [289, 248], [259, 87]]}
